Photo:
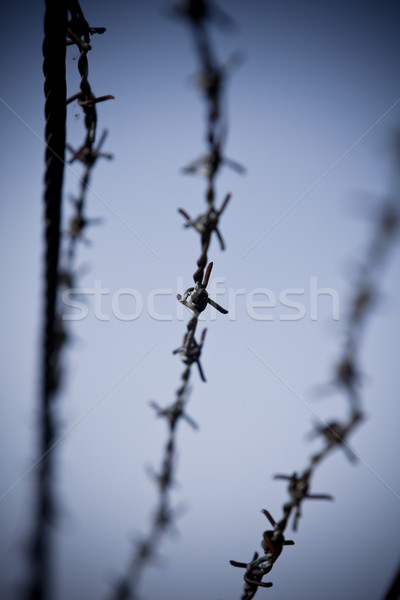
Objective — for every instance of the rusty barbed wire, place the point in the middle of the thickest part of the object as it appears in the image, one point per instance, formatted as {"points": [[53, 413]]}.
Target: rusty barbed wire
{"points": [[78, 34], [57, 30], [198, 14], [87, 154], [347, 379]]}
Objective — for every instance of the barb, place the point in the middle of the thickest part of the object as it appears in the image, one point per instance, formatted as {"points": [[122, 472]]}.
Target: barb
{"points": [[347, 379], [207, 223], [57, 278], [272, 543], [198, 14]]}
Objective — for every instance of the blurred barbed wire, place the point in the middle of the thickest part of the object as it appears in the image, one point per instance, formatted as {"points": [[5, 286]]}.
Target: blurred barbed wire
{"points": [[211, 79], [59, 31], [346, 379]]}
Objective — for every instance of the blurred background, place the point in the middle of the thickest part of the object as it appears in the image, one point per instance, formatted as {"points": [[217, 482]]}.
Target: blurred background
{"points": [[312, 112]]}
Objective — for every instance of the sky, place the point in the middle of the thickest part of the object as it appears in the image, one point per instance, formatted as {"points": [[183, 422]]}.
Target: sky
{"points": [[312, 111]]}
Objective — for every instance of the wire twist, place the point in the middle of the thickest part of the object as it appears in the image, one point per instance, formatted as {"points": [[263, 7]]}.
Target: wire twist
{"points": [[55, 22], [347, 378], [56, 30], [198, 14]]}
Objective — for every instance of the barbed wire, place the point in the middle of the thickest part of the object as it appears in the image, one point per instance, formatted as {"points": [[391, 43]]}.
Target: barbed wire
{"points": [[78, 34], [58, 33], [87, 154], [211, 78], [347, 379]]}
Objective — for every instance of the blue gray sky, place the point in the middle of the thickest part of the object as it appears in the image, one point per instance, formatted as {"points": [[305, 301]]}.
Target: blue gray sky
{"points": [[311, 114]]}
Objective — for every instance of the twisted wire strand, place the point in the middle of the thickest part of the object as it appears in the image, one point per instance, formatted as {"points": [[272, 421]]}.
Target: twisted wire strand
{"points": [[56, 30], [55, 22], [198, 15], [346, 378], [55, 114], [87, 154]]}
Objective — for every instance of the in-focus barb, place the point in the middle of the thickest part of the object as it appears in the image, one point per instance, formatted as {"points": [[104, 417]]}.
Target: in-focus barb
{"points": [[196, 298], [272, 544], [91, 101], [78, 27], [273, 541], [255, 571]]}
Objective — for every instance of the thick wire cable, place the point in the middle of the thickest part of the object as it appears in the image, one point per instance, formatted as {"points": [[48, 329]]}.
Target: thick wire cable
{"points": [[55, 25]]}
